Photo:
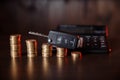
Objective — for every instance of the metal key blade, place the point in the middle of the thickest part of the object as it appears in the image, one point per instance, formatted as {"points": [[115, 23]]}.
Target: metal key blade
{"points": [[37, 34]]}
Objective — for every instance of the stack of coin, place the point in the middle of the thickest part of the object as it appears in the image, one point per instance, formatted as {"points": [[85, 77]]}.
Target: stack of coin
{"points": [[76, 55], [61, 52], [31, 47], [15, 45], [46, 50]]}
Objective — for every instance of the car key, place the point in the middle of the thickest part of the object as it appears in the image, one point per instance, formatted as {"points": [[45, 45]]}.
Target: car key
{"points": [[61, 39]]}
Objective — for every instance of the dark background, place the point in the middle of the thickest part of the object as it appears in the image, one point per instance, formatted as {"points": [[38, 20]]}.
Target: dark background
{"points": [[20, 16]]}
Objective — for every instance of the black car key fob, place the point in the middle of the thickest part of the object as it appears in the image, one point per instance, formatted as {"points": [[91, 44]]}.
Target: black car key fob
{"points": [[60, 39]]}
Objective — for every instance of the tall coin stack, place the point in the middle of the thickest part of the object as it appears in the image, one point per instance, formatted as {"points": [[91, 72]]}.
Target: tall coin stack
{"points": [[46, 50], [31, 47], [61, 52], [15, 45]]}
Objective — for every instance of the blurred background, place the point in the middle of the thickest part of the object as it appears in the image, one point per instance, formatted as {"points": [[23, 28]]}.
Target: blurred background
{"points": [[20, 16]]}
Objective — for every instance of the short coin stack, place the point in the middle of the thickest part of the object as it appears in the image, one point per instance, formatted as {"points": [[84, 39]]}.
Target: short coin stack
{"points": [[46, 50], [15, 45], [31, 47], [61, 52], [76, 55]]}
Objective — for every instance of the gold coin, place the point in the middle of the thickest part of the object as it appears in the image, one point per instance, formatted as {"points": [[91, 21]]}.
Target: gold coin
{"points": [[45, 55], [46, 50], [61, 52], [15, 45], [15, 39], [15, 54], [46, 46], [75, 54], [31, 45], [31, 54]]}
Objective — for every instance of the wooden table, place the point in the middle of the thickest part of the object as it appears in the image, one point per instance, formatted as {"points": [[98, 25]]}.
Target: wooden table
{"points": [[89, 67]]}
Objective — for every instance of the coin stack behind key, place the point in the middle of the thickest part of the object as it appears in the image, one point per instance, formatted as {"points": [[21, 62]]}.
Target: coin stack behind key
{"points": [[61, 52], [46, 50], [15, 45], [31, 47]]}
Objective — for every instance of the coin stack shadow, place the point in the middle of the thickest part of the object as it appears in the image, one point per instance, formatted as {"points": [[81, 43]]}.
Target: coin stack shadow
{"points": [[46, 50], [31, 47], [15, 45]]}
